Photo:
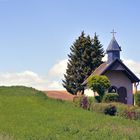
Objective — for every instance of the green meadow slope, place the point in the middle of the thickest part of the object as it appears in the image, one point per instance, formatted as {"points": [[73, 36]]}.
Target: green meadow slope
{"points": [[27, 114]]}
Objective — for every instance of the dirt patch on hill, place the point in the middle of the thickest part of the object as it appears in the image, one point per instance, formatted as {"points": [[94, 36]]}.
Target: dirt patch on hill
{"points": [[63, 95]]}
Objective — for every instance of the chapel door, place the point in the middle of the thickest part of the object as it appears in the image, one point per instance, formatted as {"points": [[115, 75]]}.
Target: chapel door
{"points": [[122, 95]]}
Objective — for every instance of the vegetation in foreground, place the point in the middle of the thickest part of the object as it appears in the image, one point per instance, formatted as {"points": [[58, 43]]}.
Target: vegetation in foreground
{"points": [[108, 106], [26, 114]]}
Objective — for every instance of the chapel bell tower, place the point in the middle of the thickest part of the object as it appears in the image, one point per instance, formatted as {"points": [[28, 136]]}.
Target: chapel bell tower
{"points": [[113, 50]]}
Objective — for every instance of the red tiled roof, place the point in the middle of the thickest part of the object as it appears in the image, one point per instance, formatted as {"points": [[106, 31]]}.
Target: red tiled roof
{"points": [[100, 69]]}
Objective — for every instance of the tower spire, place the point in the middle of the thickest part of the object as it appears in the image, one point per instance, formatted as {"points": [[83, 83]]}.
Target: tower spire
{"points": [[113, 33], [113, 50]]}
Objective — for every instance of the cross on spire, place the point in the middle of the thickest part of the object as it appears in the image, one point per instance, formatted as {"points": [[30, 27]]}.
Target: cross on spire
{"points": [[113, 33]]}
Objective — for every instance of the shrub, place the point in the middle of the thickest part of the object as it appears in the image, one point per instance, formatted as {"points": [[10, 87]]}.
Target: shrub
{"points": [[128, 112], [90, 101], [110, 97], [81, 101], [138, 113], [132, 113], [108, 109], [137, 98], [113, 108], [99, 84], [77, 100], [98, 99], [84, 102], [120, 109]]}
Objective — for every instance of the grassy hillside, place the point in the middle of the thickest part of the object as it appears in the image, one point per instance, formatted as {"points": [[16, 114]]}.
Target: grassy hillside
{"points": [[26, 114]]}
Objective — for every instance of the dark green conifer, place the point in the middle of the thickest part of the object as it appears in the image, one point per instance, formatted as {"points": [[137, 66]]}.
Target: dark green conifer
{"points": [[85, 56]]}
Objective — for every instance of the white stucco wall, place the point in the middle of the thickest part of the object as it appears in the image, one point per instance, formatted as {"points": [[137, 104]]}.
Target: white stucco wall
{"points": [[89, 92], [119, 79]]}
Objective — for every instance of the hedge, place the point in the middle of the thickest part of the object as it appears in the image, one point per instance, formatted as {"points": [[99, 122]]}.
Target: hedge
{"points": [[110, 97], [84, 101], [108, 109], [117, 109], [137, 98], [112, 108]]}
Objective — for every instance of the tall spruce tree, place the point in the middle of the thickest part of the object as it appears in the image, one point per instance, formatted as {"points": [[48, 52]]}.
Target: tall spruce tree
{"points": [[85, 56]]}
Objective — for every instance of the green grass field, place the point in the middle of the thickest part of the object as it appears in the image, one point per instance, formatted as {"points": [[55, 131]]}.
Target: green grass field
{"points": [[26, 114]]}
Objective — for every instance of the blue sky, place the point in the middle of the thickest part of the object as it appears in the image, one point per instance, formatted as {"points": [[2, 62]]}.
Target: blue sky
{"points": [[35, 35]]}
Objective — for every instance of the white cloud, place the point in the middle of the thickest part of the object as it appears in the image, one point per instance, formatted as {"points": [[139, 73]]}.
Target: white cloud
{"points": [[133, 65], [58, 70], [26, 78], [52, 80], [30, 79], [56, 74]]}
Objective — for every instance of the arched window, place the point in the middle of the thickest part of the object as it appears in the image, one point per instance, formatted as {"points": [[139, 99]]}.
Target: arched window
{"points": [[112, 89]]}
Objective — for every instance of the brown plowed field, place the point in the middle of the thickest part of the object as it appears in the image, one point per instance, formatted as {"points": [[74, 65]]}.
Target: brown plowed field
{"points": [[63, 95]]}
